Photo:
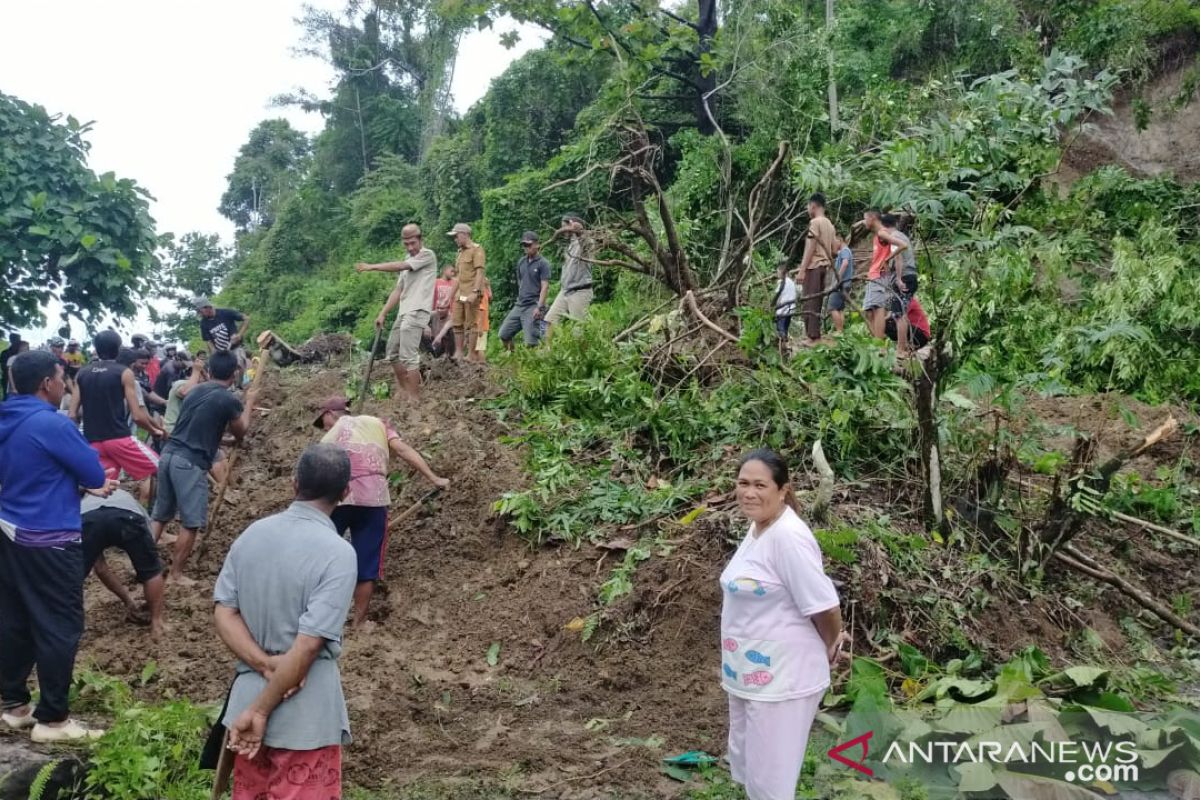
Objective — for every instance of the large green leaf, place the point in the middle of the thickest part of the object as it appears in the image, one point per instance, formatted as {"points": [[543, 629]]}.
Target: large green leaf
{"points": [[1029, 787], [1079, 678], [1184, 784]]}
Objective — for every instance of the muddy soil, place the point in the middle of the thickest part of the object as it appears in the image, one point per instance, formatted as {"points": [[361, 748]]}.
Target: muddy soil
{"points": [[555, 715], [552, 713]]}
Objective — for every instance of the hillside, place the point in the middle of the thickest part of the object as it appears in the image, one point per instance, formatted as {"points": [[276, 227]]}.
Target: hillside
{"points": [[571, 719]]}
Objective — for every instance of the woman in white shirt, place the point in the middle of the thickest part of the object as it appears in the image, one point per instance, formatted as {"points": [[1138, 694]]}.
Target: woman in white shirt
{"points": [[781, 628]]}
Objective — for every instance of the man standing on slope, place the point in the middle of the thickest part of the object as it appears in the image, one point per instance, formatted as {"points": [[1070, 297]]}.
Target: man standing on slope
{"points": [[107, 397], [190, 452], [819, 255], [575, 289], [533, 284], [879, 279], [905, 285], [414, 296], [223, 329], [470, 266], [281, 604], [43, 462], [370, 442]]}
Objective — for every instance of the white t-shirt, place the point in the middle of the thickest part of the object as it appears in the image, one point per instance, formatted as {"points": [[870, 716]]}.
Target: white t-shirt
{"points": [[417, 283], [770, 649], [786, 302]]}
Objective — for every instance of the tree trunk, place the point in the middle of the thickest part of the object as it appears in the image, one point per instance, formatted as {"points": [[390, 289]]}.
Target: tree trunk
{"points": [[925, 389], [706, 27], [833, 95]]}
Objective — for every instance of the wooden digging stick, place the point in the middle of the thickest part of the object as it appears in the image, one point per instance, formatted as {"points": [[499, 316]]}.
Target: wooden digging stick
{"points": [[408, 512], [263, 358], [366, 384]]}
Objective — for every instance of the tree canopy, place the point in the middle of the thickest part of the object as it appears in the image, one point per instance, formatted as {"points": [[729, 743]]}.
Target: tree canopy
{"points": [[66, 233]]}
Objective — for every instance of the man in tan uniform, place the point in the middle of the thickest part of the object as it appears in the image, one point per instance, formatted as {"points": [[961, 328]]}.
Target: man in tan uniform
{"points": [[465, 312], [819, 254]]}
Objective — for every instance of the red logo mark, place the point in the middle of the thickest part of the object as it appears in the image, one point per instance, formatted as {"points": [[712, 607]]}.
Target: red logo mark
{"points": [[836, 753]]}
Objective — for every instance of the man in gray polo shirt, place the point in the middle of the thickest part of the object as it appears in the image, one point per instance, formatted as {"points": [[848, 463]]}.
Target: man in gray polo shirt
{"points": [[533, 284], [575, 291], [282, 599], [414, 296]]}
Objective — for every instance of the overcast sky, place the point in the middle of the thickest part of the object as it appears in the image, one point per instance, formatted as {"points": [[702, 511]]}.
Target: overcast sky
{"points": [[174, 88]]}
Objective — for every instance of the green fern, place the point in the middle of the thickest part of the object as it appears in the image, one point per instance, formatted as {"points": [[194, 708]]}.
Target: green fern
{"points": [[37, 789]]}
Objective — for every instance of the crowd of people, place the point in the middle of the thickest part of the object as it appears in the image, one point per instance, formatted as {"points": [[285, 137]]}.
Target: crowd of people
{"points": [[890, 306], [291, 582]]}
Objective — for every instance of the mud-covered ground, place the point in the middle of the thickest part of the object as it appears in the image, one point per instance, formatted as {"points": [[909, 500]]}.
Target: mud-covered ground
{"points": [[424, 703], [556, 715]]}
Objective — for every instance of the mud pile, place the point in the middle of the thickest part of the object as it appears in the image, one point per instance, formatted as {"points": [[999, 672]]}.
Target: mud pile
{"points": [[553, 713]]}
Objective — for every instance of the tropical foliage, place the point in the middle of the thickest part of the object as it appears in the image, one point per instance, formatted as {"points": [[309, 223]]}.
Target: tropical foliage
{"points": [[66, 234]]}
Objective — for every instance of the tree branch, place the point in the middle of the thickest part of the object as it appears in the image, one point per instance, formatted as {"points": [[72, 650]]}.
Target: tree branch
{"points": [[689, 300]]}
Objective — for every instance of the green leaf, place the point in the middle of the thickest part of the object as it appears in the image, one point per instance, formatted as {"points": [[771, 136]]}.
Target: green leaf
{"points": [[975, 777], [1109, 701], [149, 671], [38, 230], [1079, 678], [493, 654], [912, 662], [676, 773]]}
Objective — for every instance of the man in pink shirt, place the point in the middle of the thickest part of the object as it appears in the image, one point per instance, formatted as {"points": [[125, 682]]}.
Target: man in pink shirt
{"points": [[370, 443]]}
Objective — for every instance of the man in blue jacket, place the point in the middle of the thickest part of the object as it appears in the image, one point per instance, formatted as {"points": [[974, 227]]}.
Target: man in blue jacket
{"points": [[43, 462]]}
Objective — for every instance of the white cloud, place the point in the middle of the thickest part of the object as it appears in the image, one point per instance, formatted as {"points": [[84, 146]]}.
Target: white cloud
{"points": [[174, 88]]}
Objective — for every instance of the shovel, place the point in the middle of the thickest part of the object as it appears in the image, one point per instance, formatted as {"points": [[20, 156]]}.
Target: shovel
{"points": [[362, 395]]}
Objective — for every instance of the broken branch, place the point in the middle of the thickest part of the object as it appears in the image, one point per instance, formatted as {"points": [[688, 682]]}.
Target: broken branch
{"points": [[1088, 566]]}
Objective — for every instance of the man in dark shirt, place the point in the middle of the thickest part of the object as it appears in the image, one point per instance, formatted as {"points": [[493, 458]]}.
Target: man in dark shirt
{"points": [[189, 455], [533, 284], [120, 521], [14, 347], [106, 399], [219, 327]]}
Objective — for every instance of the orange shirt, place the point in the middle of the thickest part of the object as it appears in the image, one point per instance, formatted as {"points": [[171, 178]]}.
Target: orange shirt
{"points": [[879, 257], [484, 323]]}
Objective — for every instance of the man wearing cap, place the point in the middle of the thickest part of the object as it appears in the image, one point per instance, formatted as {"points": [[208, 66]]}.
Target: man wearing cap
{"points": [[413, 294], [370, 443], [56, 349], [220, 329], [575, 292], [74, 357], [470, 267], [533, 284]]}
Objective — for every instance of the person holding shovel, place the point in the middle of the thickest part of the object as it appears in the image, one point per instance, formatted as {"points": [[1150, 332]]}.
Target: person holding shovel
{"points": [[370, 442], [190, 452], [414, 296]]}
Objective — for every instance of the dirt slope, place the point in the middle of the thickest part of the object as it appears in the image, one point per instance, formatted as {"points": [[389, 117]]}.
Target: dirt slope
{"points": [[556, 714], [423, 701]]}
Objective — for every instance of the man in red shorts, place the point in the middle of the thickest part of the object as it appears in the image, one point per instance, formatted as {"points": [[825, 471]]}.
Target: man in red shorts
{"points": [[370, 442], [281, 604], [107, 396]]}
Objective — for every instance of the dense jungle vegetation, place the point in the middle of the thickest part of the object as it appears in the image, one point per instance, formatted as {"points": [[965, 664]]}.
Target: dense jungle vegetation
{"points": [[689, 135]]}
